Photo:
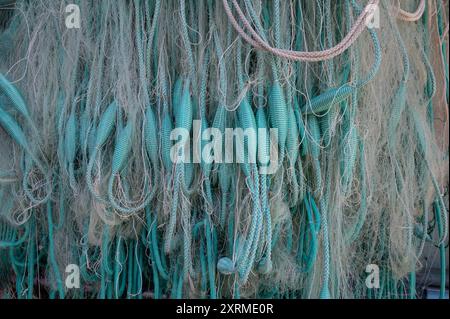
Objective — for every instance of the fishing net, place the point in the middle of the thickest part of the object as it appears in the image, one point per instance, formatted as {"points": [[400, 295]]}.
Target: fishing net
{"points": [[357, 92]]}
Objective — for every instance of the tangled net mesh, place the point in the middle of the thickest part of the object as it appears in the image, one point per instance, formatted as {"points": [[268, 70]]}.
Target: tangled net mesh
{"points": [[85, 171]]}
